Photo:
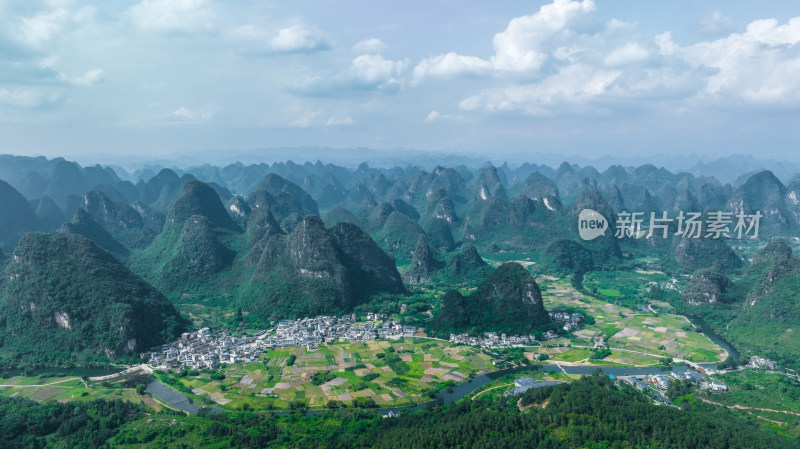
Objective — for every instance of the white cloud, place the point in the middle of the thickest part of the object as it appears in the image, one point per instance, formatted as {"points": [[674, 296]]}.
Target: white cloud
{"points": [[568, 53], [629, 53], [759, 65], [665, 44], [523, 47], [48, 21], [340, 121], [299, 38], [251, 32], [89, 78], [768, 32], [369, 72], [49, 62], [542, 65], [29, 97], [205, 113], [375, 70], [305, 120], [716, 23], [432, 117], [451, 64], [41, 28], [574, 84], [616, 24], [371, 45], [182, 16], [519, 48]]}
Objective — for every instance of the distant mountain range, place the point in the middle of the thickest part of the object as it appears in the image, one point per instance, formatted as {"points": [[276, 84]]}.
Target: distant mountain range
{"points": [[727, 169]]}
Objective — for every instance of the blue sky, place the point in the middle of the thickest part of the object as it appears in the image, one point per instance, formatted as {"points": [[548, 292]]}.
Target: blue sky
{"points": [[587, 78]]}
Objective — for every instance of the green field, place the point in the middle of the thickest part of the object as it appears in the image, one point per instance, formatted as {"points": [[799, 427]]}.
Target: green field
{"points": [[67, 389], [630, 288], [390, 373], [644, 336]]}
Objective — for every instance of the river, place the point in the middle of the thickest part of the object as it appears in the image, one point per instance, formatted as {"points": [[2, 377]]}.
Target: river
{"points": [[733, 354]]}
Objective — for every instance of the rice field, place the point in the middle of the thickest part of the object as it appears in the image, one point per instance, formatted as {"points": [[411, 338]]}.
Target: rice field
{"points": [[391, 373]]}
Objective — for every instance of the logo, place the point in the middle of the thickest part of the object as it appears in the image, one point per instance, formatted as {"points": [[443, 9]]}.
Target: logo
{"points": [[692, 225], [591, 224]]}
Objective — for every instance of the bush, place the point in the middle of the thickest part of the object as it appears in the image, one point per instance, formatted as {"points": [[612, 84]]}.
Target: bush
{"points": [[371, 376], [321, 377], [397, 382]]}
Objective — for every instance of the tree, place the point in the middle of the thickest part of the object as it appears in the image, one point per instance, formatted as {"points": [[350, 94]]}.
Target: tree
{"points": [[141, 389]]}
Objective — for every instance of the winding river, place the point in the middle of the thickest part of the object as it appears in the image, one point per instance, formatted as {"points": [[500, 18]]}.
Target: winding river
{"points": [[733, 354]]}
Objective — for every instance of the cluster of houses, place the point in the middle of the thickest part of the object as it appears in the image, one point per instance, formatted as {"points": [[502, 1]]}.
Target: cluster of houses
{"points": [[326, 329], [661, 382], [640, 385], [204, 349], [568, 321], [761, 362], [492, 340]]}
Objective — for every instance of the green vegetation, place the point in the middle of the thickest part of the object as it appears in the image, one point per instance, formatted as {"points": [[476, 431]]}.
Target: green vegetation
{"points": [[390, 373], [508, 301], [552, 417], [59, 311], [759, 309], [754, 388], [600, 354], [262, 270], [629, 288], [24, 423], [637, 331], [564, 257], [242, 263]]}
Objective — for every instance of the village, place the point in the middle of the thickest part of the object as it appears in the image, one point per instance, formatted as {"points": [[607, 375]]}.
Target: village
{"points": [[203, 348]]}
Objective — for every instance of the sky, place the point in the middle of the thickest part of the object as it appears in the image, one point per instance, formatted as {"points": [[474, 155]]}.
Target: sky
{"points": [[586, 78]]}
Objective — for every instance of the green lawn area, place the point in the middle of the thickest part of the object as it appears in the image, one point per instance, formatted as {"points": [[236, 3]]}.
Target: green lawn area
{"points": [[574, 355], [611, 292]]}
